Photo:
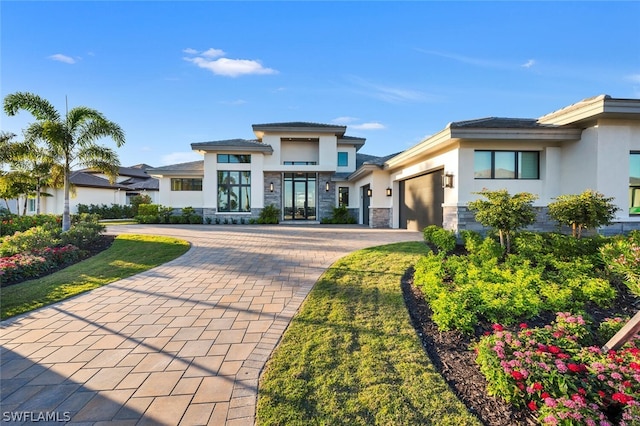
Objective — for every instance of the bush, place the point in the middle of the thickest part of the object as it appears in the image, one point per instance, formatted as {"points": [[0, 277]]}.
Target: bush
{"points": [[148, 209], [136, 201], [23, 266], [195, 219], [269, 215], [148, 219], [622, 258], [443, 239], [40, 237], [83, 235], [115, 211], [12, 223], [588, 210], [340, 215]]}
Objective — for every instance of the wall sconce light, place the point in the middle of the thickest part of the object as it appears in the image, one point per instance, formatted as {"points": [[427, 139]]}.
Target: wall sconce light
{"points": [[326, 187], [369, 192], [447, 180], [388, 192], [271, 187]]}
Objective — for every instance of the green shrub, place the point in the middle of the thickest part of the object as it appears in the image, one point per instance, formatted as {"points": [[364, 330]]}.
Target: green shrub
{"points": [[608, 328], [269, 215], [11, 223], [114, 211], [148, 219], [83, 235], [340, 215], [588, 210], [442, 239], [39, 237], [196, 219], [622, 258], [164, 213], [148, 209], [136, 201]]}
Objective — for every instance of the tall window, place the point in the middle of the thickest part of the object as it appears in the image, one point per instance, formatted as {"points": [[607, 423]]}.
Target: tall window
{"points": [[182, 184], [233, 158], [634, 183], [507, 165], [343, 159], [234, 191], [343, 196]]}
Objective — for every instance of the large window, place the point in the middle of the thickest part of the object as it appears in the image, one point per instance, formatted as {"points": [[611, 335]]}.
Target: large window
{"points": [[634, 183], [343, 159], [182, 184], [299, 163], [507, 165], [343, 196], [234, 191], [233, 158]]}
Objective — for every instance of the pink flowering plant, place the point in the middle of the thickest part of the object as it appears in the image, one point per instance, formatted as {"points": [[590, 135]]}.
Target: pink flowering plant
{"points": [[556, 374], [37, 262]]}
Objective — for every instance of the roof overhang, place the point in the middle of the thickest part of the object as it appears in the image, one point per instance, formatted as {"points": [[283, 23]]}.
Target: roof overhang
{"points": [[203, 147], [300, 128], [364, 170], [595, 108]]}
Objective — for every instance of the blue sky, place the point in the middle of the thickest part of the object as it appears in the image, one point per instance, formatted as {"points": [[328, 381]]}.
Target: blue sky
{"points": [[173, 73]]}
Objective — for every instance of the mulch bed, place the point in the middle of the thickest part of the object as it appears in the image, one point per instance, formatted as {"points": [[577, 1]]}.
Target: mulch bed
{"points": [[102, 244], [452, 355]]}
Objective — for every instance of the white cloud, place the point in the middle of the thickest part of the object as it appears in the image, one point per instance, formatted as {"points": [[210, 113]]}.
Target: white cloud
{"points": [[62, 58], [529, 63], [369, 126], [225, 66], [190, 51], [344, 120], [180, 157]]}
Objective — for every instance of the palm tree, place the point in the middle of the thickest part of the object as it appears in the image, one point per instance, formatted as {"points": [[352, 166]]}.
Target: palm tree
{"points": [[71, 140]]}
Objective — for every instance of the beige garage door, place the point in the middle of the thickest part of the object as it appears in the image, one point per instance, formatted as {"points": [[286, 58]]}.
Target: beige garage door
{"points": [[421, 201]]}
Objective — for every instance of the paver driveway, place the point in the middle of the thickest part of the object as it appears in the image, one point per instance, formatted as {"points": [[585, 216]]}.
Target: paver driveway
{"points": [[183, 343]]}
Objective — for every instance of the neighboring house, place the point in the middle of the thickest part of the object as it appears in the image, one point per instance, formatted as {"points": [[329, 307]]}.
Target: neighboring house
{"points": [[305, 169], [92, 187]]}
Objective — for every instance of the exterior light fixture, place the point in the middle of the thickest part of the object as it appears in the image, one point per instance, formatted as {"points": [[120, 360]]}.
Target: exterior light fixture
{"points": [[326, 187], [271, 187], [388, 192], [369, 192], [447, 180]]}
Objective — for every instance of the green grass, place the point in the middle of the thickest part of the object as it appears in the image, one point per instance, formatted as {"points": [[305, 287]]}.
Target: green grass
{"points": [[119, 222], [351, 355], [128, 255]]}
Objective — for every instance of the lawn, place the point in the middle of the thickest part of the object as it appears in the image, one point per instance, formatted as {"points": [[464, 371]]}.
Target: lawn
{"points": [[351, 355], [128, 255]]}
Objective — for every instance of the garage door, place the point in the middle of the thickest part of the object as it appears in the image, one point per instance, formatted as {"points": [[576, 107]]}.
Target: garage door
{"points": [[421, 201]]}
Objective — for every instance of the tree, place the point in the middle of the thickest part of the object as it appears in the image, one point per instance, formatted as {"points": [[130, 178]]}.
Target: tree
{"points": [[504, 212], [588, 210], [71, 140]]}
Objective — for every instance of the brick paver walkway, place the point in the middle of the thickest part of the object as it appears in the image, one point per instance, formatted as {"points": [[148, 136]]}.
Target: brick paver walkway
{"points": [[183, 343]]}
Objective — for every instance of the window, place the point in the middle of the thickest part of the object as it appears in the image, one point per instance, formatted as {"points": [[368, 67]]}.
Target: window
{"points": [[343, 196], [32, 204], [233, 158], [234, 191], [507, 165], [634, 183], [343, 159], [182, 184], [299, 163]]}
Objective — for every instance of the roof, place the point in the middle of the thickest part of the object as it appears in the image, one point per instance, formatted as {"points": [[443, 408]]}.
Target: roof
{"points": [[82, 178], [142, 184], [134, 171], [298, 127], [192, 167], [497, 123], [252, 145], [594, 108]]}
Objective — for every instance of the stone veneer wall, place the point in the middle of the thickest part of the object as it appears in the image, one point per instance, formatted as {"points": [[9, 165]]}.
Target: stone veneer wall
{"points": [[274, 197], [380, 217], [461, 218], [326, 199]]}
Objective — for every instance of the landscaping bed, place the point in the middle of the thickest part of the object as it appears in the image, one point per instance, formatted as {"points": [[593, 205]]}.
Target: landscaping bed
{"points": [[452, 355]]}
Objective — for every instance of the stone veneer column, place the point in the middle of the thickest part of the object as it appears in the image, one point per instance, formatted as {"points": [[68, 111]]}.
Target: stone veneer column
{"points": [[380, 217], [274, 197], [326, 199]]}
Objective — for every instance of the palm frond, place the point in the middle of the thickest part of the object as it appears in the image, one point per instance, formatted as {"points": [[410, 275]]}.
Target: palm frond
{"points": [[39, 107], [94, 130], [100, 158]]}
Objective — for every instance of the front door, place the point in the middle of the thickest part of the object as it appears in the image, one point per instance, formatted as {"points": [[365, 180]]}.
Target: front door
{"points": [[299, 196], [366, 202]]}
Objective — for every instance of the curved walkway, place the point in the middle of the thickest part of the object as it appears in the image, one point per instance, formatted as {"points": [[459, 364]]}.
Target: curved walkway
{"points": [[183, 343]]}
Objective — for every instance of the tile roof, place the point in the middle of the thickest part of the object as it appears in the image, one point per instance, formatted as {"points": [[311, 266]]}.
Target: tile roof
{"points": [[81, 178], [192, 166], [498, 123], [299, 124], [247, 144]]}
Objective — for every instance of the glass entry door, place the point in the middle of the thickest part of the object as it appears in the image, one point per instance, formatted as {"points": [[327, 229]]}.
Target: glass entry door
{"points": [[299, 196]]}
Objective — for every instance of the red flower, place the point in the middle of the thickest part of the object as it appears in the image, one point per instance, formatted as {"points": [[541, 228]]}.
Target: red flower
{"points": [[635, 366], [626, 384], [574, 367], [537, 386], [602, 394], [520, 386], [563, 356], [497, 327], [581, 391], [523, 325], [622, 398], [517, 375], [532, 406], [487, 333], [554, 349], [544, 395]]}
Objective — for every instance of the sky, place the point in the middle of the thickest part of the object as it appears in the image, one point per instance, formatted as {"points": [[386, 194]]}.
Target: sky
{"points": [[171, 73]]}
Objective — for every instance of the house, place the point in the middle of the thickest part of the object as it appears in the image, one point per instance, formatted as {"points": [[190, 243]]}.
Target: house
{"points": [[92, 187], [306, 169]]}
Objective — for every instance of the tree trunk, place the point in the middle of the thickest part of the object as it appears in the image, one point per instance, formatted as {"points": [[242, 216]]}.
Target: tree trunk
{"points": [[501, 234], [24, 210], [573, 230], [38, 198], [66, 217]]}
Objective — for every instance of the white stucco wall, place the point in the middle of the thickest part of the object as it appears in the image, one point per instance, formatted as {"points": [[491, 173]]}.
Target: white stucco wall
{"points": [[351, 153], [179, 199], [300, 151]]}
